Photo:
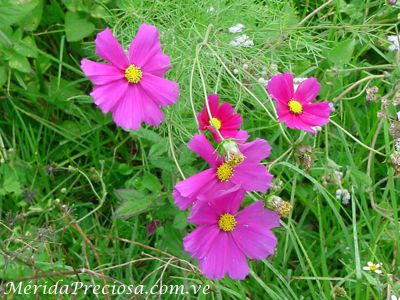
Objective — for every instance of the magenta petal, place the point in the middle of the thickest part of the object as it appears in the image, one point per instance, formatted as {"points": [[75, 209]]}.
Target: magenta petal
{"points": [[107, 96], [255, 150], [100, 73], [162, 91], [108, 48], [145, 51], [253, 177], [215, 264], [242, 136], [152, 113], [280, 87], [199, 242], [186, 191], [213, 206], [252, 233], [295, 122], [128, 112], [237, 265], [316, 114], [256, 215], [307, 90], [203, 148], [213, 103]]}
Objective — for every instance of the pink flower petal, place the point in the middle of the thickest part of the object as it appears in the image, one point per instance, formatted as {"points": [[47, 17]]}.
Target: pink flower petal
{"points": [[307, 90], [186, 191], [199, 242], [107, 96], [255, 150], [253, 177], [145, 51], [162, 91], [100, 73], [108, 48], [256, 215], [128, 112], [280, 87], [295, 122], [203, 148], [252, 233], [224, 257], [208, 211], [152, 113]]}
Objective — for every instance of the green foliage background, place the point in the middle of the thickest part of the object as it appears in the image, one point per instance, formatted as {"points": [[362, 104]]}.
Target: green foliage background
{"points": [[78, 192]]}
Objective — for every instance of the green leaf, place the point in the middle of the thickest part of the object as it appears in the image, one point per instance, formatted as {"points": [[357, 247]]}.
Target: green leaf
{"points": [[77, 28], [26, 47], [19, 62], [32, 20], [133, 202], [342, 52], [151, 182], [14, 10]]}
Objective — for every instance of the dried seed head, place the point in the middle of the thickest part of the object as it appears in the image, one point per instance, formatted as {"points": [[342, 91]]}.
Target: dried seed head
{"points": [[282, 207], [394, 129], [371, 94], [304, 157], [339, 291], [395, 159]]}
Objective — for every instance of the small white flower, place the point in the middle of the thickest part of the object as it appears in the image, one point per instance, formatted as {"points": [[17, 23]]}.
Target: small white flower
{"points": [[338, 175], [236, 28], [398, 115], [343, 195], [373, 267], [241, 41], [262, 81], [394, 39], [211, 9], [235, 71], [245, 66], [394, 297], [332, 106]]}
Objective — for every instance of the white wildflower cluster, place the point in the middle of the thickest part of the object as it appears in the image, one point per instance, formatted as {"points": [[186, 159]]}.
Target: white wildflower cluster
{"points": [[394, 42], [343, 195], [236, 28], [242, 41]]}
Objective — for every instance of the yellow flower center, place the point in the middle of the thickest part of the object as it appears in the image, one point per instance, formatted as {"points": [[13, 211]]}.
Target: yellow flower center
{"points": [[133, 74], [295, 107], [373, 267], [224, 172], [216, 123], [227, 222]]}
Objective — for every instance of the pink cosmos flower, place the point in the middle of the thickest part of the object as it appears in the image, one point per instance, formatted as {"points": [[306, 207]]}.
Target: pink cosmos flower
{"points": [[131, 86], [223, 118], [225, 237], [295, 108], [241, 167]]}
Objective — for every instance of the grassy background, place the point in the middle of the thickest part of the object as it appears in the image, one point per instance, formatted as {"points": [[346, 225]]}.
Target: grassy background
{"points": [[65, 167]]}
